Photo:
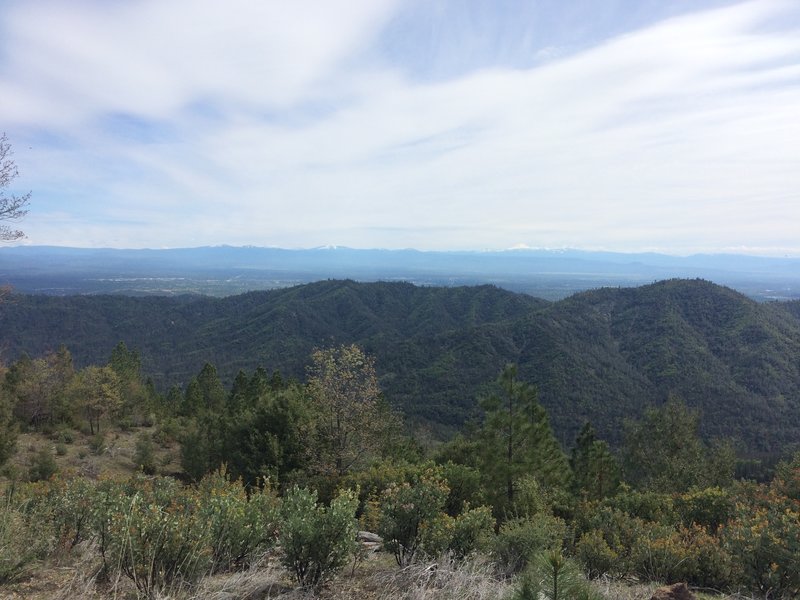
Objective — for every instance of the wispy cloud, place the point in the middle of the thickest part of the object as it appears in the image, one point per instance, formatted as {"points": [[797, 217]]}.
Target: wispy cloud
{"points": [[177, 123]]}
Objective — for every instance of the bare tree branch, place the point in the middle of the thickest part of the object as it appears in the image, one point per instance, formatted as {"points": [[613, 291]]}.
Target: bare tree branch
{"points": [[12, 207]]}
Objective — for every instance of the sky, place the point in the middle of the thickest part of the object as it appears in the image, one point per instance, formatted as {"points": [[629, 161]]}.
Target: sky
{"points": [[625, 125]]}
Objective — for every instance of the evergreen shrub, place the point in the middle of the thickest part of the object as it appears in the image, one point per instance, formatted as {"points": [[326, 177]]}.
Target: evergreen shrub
{"points": [[521, 538], [317, 541]]}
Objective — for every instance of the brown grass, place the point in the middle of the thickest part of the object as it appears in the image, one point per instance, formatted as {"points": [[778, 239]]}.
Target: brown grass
{"points": [[377, 578], [116, 459], [445, 579]]}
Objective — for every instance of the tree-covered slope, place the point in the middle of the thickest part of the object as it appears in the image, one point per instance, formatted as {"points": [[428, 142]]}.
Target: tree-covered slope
{"points": [[276, 329], [736, 360], [601, 355]]}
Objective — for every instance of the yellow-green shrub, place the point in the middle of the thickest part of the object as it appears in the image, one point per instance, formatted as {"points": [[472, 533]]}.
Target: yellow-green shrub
{"points": [[24, 537], [407, 509], [764, 541], [317, 541], [241, 528], [709, 507], [521, 538], [151, 532], [597, 557], [687, 554]]}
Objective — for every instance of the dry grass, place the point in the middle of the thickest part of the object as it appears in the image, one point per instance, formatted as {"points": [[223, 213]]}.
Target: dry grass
{"points": [[444, 579], [263, 579], [622, 590], [377, 578], [116, 459]]}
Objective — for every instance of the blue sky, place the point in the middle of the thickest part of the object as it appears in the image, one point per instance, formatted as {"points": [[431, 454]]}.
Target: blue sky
{"points": [[628, 125]]}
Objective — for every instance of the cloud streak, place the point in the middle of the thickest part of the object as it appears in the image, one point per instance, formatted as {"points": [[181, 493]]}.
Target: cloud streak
{"points": [[171, 124]]}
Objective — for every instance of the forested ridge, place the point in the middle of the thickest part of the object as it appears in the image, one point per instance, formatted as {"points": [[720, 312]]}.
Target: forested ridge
{"points": [[206, 483], [601, 356]]}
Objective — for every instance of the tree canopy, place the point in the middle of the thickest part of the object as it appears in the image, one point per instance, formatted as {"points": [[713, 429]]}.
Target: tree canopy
{"points": [[12, 207]]}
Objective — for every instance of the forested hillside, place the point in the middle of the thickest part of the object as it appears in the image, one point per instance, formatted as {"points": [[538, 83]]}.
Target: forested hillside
{"points": [[602, 355]]}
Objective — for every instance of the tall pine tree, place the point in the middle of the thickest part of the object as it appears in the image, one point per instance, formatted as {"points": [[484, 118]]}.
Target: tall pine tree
{"points": [[516, 440], [595, 471]]}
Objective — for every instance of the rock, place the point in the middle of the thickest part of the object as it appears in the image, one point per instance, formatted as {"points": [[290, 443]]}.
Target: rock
{"points": [[677, 591], [366, 536], [370, 541]]}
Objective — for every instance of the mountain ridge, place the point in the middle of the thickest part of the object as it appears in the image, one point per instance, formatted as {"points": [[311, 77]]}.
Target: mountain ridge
{"points": [[602, 355]]}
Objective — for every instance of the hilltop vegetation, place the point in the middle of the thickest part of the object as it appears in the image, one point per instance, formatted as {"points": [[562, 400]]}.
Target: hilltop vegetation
{"points": [[276, 477], [600, 356]]}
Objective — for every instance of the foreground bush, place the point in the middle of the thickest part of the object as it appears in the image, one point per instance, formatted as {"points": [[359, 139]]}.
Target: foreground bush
{"points": [[596, 556], [150, 531], [317, 541], [685, 554], [764, 540], [241, 529], [23, 539], [473, 532], [520, 539], [412, 512], [155, 531]]}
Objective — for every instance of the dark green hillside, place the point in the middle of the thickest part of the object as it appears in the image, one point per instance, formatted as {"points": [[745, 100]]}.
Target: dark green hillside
{"points": [[601, 355], [276, 329], [734, 359]]}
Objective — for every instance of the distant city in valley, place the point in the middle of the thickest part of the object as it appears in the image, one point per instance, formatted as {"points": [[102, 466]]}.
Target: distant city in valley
{"points": [[227, 270]]}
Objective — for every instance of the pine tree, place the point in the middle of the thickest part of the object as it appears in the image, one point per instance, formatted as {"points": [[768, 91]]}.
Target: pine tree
{"points": [[516, 439], [595, 472], [664, 451]]}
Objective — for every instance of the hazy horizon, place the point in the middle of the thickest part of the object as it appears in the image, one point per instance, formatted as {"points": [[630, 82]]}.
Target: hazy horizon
{"points": [[518, 248], [615, 126]]}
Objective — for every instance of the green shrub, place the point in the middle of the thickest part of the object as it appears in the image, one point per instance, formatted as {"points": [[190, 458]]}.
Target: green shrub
{"points": [[144, 457], [241, 528], [620, 530], [686, 554], [597, 557], [659, 555], [167, 432], [647, 505], [67, 505], [407, 509], [709, 507], [317, 541], [530, 499], [61, 449], [149, 531], [97, 443], [435, 535], [43, 466], [520, 539], [464, 483], [470, 532], [764, 541], [373, 480], [473, 531], [65, 436], [24, 538]]}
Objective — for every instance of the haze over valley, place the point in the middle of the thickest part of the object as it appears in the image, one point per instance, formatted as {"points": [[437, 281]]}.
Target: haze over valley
{"points": [[227, 270]]}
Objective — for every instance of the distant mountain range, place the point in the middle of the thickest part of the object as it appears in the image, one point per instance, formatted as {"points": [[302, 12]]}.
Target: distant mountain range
{"points": [[601, 355], [226, 270]]}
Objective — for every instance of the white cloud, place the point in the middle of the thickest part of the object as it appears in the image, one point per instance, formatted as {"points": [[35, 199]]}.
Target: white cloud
{"points": [[684, 135], [152, 58]]}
